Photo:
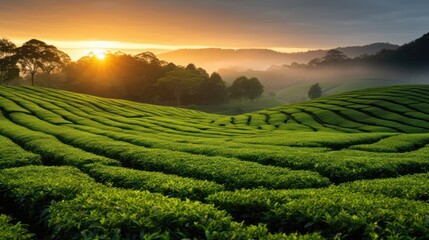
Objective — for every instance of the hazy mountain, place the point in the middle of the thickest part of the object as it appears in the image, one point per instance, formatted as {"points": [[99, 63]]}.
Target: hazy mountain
{"points": [[213, 59], [408, 56], [369, 49], [406, 64]]}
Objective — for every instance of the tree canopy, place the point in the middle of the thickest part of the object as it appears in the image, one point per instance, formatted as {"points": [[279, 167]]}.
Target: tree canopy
{"points": [[142, 77], [8, 68], [180, 83], [36, 56], [246, 88]]}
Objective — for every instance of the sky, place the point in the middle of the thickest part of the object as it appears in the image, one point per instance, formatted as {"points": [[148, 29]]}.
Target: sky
{"points": [[285, 25]]}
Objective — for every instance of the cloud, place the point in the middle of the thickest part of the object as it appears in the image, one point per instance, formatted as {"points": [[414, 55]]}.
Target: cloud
{"points": [[234, 23]]}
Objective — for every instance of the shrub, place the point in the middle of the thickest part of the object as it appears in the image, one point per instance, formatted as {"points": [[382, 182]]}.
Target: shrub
{"points": [[166, 184], [11, 231], [12, 155], [333, 212], [126, 214]]}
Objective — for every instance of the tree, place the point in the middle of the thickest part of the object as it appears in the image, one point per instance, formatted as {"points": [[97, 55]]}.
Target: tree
{"points": [[334, 56], [180, 82], [214, 90], [191, 67], [315, 91], [244, 87], [8, 68], [148, 58], [254, 88], [54, 60], [236, 90], [36, 56]]}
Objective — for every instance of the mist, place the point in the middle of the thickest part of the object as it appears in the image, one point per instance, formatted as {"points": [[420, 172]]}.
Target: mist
{"points": [[290, 84]]}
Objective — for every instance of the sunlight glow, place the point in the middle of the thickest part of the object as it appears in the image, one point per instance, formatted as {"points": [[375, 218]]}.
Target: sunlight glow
{"points": [[99, 53]]}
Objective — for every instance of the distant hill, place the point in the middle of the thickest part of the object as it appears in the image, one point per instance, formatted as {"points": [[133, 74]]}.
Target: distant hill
{"points": [[369, 49], [411, 55], [381, 109], [258, 59]]}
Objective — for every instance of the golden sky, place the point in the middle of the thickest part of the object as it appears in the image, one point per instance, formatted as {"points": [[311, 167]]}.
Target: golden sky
{"points": [[131, 25]]}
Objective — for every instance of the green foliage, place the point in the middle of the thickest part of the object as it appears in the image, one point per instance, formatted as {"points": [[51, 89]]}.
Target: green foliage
{"points": [[10, 231], [244, 87], [238, 174], [413, 187], [48, 146], [12, 155], [333, 212], [33, 188], [166, 184], [373, 134], [126, 214], [383, 109], [399, 143]]}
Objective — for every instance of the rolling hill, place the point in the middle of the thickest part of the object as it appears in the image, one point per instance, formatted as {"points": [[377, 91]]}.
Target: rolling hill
{"points": [[352, 165], [382, 109], [214, 59]]}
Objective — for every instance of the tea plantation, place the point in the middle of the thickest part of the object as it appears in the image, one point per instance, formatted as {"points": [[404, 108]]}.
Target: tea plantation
{"points": [[348, 166]]}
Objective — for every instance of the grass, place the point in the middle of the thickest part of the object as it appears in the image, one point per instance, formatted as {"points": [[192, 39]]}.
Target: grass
{"points": [[353, 165]]}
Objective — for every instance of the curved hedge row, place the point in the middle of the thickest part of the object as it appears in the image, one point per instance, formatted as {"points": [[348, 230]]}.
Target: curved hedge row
{"points": [[413, 187], [332, 212], [71, 205], [12, 155], [228, 171], [127, 214], [167, 184]]}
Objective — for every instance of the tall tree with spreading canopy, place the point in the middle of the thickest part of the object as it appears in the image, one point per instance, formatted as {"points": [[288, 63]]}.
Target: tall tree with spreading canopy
{"points": [[334, 56], [37, 56], [54, 60], [8, 68]]}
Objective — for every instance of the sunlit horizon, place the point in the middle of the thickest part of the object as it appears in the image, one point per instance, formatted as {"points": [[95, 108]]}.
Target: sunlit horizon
{"points": [[81, 48]]}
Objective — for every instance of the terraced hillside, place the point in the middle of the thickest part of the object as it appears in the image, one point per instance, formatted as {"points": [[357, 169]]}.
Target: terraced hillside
{"points": [[348, 166], [401, 109]]}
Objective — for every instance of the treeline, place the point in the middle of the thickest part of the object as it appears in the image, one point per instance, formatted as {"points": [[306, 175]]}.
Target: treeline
{"points": [[411, 56], [142, 77]]}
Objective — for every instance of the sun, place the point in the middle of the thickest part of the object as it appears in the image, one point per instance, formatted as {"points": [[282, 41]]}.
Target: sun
{"points": [[99, 53]]}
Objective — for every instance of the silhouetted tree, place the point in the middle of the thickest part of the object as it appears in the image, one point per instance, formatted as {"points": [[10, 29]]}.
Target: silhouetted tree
{"points": [[191, 67], [34, 54], [334, 56], [54, 60], [236, 90], [214, 90], [315, 91], [179, 83], [8, 68], [243, 87], [148, 58], [254, 88], [118, 75]]}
